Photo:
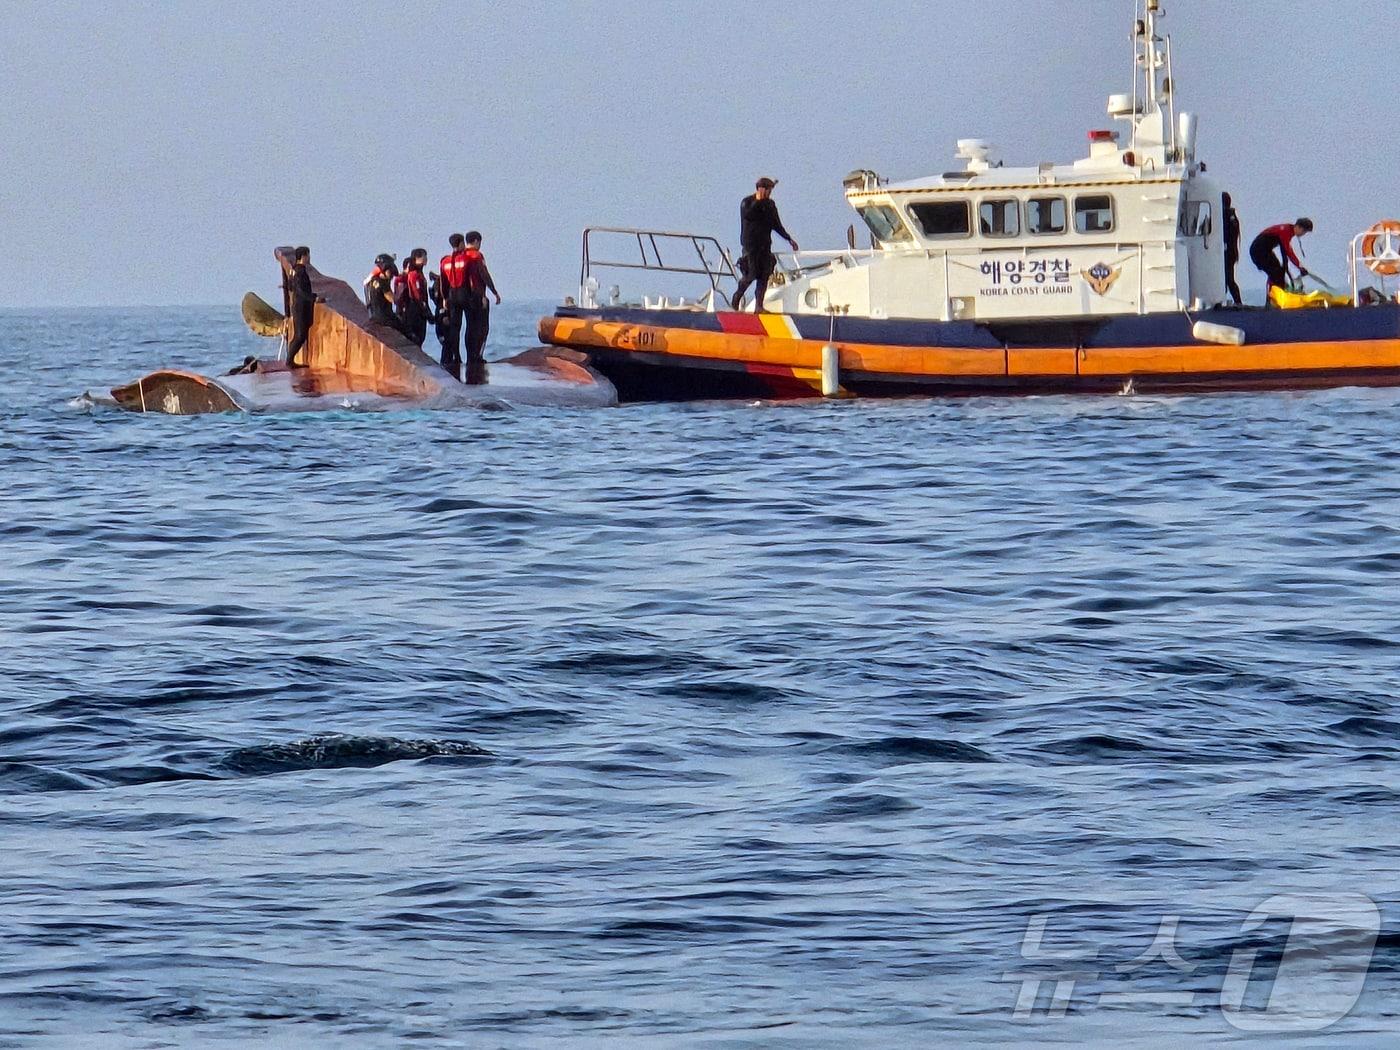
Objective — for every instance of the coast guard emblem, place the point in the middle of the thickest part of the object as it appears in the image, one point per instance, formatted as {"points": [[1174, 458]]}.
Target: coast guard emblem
{"points": [[1102, 277]]}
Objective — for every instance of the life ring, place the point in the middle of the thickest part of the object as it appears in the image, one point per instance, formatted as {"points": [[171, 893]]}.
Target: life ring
{"points": [[1380, 250]]}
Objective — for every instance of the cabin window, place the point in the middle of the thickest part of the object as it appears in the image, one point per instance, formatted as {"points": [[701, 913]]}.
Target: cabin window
{"points": [[943, 218], [1195, 219], [1045, 215], [885, 223], [999, 218], [1093, 214]]}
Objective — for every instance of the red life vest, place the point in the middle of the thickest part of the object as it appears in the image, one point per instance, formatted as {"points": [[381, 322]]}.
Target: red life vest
{"points": [[1286, 235], [476, 270], [411, 285], [454, 269]]}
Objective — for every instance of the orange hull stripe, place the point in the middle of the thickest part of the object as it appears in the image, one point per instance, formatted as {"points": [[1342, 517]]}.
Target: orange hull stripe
{"points": [[805, 354], [765, 350]]}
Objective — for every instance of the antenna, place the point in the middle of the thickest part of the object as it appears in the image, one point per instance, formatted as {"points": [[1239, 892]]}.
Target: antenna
{"points": [[1152, 55], [1153, 105]]}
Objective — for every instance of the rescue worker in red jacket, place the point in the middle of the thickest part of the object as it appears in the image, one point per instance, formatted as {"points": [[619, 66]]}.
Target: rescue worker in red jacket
{"points": [[454, 294], [478, 308], [1267, 247], [411, 296]]}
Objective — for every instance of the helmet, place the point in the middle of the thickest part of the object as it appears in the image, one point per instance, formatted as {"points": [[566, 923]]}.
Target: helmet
{"points": [[1305, 225]]}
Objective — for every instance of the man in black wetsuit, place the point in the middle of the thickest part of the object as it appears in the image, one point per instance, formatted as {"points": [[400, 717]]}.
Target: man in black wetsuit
{"points": [[758, 218], [411, 296], [304, 302], [437, 297], [1232, 250], [453, 285], [1279, 239], [478, 308], [379, 294]]}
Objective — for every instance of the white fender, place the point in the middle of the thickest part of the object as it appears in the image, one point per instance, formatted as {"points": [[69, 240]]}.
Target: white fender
{"points": [[1223, 334]]}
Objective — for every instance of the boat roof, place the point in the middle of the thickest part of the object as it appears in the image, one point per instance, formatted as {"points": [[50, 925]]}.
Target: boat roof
{"points": [[1043, 177]]}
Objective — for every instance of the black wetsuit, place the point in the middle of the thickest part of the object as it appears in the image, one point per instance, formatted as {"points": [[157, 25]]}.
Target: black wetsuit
{"points": [[303, 310], [439, 311], [414, 311], [1272, 251], [1232, 254], [455, 294], [758, 220], [379, 298], [477, 314]]}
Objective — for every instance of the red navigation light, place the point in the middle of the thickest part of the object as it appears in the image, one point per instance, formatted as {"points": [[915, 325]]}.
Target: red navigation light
{"points": [[1130, 159], [1103, 136]]}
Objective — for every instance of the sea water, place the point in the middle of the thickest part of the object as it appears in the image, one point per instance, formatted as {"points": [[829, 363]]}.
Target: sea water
{"points": [[916, 723]]}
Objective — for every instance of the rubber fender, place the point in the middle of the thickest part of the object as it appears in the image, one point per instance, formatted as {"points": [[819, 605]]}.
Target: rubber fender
{"points": [[1224, 334]]}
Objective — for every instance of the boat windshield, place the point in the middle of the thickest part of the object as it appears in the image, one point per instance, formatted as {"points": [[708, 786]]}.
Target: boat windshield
{"points": [[885, 223]]}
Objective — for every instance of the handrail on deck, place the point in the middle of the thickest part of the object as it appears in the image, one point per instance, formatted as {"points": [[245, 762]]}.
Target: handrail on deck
{"points": [[649, 256]]}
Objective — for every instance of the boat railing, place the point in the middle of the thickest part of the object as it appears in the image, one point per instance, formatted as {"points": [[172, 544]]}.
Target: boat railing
{"points": [[656, 251], [1377, 250], [805, 261]]}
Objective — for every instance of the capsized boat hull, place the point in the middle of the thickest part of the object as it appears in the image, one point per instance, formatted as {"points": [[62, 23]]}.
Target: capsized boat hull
{"points": [[353, 362], [541, 377], [691, 354]]}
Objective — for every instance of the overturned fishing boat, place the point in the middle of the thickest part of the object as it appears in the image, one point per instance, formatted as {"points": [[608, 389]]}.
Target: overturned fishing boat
{"points": [[1102, 275], [352, 362]]}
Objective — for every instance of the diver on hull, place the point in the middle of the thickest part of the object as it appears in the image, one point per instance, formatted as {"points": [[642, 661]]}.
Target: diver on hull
{"points": [[759, 220], [478, 309], [1272, 251], [379, 294], [411, 297], [454, 293], [436, 295], [304, 301]]}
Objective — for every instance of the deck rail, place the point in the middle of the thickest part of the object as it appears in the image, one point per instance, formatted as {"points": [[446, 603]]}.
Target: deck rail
{"points": [[657, 251]]}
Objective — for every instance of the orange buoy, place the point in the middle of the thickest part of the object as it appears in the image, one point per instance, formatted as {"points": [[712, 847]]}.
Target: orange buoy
{"points": [[1380, 250]]}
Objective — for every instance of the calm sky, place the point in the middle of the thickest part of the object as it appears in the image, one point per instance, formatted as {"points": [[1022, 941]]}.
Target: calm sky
{"points": [[156, 152]]}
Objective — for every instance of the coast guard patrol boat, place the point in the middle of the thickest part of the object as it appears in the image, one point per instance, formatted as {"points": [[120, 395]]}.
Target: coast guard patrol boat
{"points": [[1103, 275]]}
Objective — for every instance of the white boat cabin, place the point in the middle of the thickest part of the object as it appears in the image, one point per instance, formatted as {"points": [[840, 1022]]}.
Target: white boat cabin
{"points": [[1133, 228]]}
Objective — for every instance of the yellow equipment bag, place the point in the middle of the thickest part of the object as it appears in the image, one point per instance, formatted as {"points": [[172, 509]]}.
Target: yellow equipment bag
{"points": [[1286, 300]]}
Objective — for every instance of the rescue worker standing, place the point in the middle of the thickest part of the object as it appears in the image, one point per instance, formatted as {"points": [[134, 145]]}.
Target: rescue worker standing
{"points": [[304, 301], [1279, 239], [1232, 250], [411, 296], [455, 293], [478, 308], [379, 293], [439, 315], [758, 218]]}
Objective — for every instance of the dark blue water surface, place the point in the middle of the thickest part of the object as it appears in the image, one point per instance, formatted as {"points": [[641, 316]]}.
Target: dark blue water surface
{"points": [[718, 725]]}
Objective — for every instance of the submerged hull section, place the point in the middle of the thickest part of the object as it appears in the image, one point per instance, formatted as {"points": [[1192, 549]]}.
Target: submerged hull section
{"points": [[177, 393], [687, 355], [354, 363]]}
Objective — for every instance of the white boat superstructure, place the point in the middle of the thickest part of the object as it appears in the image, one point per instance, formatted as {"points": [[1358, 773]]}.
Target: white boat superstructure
{"points": [[1132, 228]]}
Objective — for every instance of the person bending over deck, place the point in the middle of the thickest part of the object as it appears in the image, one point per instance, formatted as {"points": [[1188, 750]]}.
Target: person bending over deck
{"points": [[411, 296], [478, 309], [1232, 250], [1279, 239], [304, 301], [758, 219]]}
